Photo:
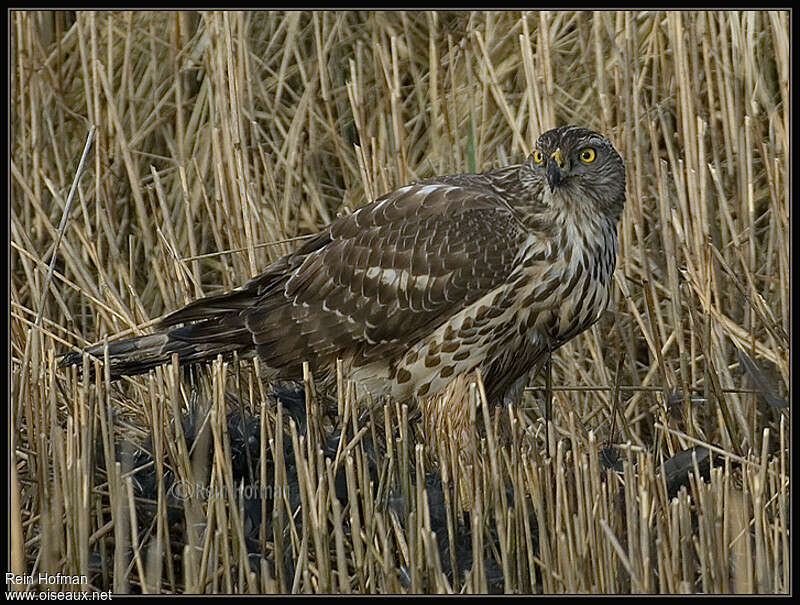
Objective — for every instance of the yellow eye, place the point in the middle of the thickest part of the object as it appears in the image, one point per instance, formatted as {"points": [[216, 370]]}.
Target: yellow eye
{"points": [[538, 157], [588, 155]]}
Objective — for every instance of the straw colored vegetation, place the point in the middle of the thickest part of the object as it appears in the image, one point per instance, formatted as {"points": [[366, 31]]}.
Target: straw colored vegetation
{"points": [[216, 140]]}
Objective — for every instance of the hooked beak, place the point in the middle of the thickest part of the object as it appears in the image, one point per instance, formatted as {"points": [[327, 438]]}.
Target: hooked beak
{"points": [[555, 169]]}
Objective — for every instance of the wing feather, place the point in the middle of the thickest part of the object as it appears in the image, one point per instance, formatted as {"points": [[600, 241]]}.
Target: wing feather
{"points": [[384, 276], [372, 283]]}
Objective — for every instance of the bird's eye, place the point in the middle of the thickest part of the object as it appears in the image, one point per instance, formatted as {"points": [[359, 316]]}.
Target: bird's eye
{"points": [[588, 155], [538, 157]]}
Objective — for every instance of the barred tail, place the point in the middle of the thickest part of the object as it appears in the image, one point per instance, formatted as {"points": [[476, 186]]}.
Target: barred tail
{"points": [[193, 343]]}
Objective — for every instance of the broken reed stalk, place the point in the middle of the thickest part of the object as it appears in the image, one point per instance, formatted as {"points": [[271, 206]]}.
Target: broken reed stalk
{"points": [[223, 138]]}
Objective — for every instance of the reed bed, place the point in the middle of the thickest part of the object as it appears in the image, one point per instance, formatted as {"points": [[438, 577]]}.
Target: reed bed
{"points": [[156, 157]]}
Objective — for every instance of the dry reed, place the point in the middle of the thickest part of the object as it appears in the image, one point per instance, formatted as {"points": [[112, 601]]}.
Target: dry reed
{"points": [[219, 139]]}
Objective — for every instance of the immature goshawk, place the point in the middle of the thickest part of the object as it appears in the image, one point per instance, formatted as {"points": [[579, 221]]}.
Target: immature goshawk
{"points": [[426, 284]]}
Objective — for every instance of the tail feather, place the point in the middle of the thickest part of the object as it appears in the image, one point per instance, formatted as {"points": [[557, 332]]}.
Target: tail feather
{"points": [[197, 332], [192, 343], [222, 306]]}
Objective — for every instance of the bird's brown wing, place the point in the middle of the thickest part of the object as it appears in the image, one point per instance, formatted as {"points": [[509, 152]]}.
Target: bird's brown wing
{"points": [[375, 281], [381, 278]]}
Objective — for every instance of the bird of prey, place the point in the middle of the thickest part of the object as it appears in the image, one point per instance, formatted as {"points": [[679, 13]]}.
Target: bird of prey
{"points": [[423, 286]]}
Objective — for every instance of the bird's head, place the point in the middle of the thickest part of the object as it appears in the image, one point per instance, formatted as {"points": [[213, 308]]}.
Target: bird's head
{"points": [[574, 165]]}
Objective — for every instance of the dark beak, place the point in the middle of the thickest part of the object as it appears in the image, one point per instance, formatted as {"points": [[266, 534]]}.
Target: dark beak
{"points": [[555, 170]]}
